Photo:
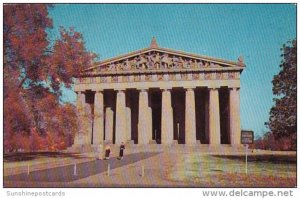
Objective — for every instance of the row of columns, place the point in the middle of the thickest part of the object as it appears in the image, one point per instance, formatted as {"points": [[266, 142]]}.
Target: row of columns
{"points": [[123, 115]]}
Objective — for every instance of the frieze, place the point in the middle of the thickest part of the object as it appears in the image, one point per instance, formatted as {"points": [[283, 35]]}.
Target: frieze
{"points": [[102, 79], [219, 76], [201, 76], [120, 78], [225, 75], [172, 77], [166, 77], [231, 75], [159, 77], [207, 76], [195, 76], [114, 79], [213, 75], [154, 77], [136, 78], [148, 77], [143, 78]]}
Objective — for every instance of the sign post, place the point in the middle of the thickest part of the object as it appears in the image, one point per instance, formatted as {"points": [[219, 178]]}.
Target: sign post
{"points": [[75, 170], [247, 158], [247, 138], [108, 170], [28, 169]]}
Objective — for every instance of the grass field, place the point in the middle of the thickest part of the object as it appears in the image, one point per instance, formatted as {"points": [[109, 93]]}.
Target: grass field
{"points": [[230, 171]]}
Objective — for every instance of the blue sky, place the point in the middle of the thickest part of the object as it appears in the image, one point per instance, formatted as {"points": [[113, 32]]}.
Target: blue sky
{"points": [[256, 31]]}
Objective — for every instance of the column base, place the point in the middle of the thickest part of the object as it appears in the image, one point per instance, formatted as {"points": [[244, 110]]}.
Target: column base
{"points": [[131, 142], [215, 147], [193, 143], [108, 142], [237, 145], [153, 142]]}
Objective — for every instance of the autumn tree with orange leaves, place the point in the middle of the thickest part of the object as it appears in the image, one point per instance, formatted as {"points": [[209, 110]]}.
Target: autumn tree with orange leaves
{"points": [[35, 70]]}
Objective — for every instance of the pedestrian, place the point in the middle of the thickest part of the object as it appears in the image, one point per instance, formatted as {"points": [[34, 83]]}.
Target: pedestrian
{"points": [[107, 152], [122, 147]]}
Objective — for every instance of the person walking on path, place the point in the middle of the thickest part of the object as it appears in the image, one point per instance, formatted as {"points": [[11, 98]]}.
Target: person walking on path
{"points": [[107, 152], [122, 147]]}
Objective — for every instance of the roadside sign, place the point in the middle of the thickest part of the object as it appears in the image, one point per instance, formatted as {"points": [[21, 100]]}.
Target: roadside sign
{"points": [[247, 137]]}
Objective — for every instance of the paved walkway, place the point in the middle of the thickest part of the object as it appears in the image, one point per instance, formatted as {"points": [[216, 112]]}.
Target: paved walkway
{"points": [[83, 170]]}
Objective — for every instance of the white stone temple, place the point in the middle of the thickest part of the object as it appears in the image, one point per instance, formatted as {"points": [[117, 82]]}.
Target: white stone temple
{"points": [[160, 96]]}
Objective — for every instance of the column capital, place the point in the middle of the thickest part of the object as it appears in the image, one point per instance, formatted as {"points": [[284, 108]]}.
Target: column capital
{"points": [[80, 92], [189, 88], [165, 89], [120, 90], [97, 90], [143, 89], [213, 87], [234, 88]]}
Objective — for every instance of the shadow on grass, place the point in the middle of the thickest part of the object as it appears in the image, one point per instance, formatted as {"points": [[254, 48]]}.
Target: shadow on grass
{"points": [[27, 156], [276, 159]]}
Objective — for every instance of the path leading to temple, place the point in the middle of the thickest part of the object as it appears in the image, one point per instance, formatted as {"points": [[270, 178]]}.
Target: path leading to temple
{"points": [[177, 166]]}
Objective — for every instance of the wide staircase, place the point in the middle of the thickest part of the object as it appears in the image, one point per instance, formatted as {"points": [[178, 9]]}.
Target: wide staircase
{"points": [[173, 148]]}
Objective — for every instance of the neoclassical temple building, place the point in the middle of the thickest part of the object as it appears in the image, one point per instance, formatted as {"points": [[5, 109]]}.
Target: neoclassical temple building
{"points": [[160, 96]]}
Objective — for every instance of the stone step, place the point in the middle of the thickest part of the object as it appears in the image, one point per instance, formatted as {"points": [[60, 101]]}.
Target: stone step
{"points": [[153, 146]]}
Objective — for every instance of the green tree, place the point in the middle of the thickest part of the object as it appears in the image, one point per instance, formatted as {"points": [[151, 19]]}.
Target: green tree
{"points": [[283, 115]]}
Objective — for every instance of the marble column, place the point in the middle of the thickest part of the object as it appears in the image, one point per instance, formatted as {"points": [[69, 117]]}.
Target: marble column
{"points": [[120, 118], [234, 117], [128, 124], [85, 118], [98, 119], [190, 117], [206, 117], [150, 123], [88, 124], [214, 117], [144, 122], [80, 102], [166, 118], [109, 124]]}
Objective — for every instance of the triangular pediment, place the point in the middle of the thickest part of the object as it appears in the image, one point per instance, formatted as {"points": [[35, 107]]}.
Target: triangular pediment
{"points": [[155, 58]]}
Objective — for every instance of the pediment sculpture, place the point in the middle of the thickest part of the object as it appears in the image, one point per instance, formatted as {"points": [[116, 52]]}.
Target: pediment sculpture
{"points": [[154, 61]]}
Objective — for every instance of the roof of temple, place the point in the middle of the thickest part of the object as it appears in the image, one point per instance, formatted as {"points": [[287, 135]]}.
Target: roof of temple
{"points": [[154, 49]]}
